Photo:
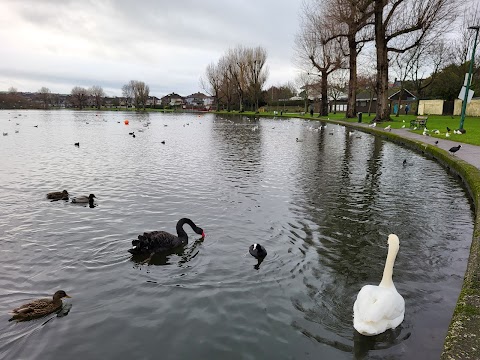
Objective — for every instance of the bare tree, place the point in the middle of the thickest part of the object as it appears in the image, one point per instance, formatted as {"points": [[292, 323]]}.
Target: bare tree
{"points": [[367, 82], [337, 86], [237, 68], [79, 96], [401, 25], [12, 90], [212, 82], [140, 93], [462, 44], [46, 96], [98, 95], [352, 17], [314, 51], [257, 72], [127, 92], [227, 86], [303, 82]]}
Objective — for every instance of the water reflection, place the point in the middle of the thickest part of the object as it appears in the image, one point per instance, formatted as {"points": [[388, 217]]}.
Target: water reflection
{"points": [[185, 254], [323, 207], [363, 345]]}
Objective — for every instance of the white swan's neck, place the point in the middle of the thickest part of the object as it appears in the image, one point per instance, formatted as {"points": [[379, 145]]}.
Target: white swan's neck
{"points": [[387, 281]]}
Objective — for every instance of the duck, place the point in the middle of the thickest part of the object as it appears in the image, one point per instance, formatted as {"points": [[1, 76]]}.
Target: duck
{"points": [[257, 251], [379, 308], [83, 199], [63, 195], [159, 241], [39, 308], [298, 140]]}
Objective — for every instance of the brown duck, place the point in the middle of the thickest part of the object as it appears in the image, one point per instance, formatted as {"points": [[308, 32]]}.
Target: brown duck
{"points": [[58, 195], [39, 308]]}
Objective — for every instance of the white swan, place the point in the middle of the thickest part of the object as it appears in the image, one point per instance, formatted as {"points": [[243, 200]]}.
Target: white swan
{"points": [[381, 307]]}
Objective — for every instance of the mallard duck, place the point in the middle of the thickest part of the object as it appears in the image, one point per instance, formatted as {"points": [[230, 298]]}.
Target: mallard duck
{"points": [[39, 308], [83, 199], [63, 195]]}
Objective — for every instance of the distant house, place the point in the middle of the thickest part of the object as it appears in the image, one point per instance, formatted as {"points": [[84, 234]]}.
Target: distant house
{"points": [[199, 100], [152, 101], [363, 100], [172, 99]]}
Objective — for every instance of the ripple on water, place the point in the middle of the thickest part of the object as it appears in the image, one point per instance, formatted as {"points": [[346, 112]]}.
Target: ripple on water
{"points": [[322, 207]]}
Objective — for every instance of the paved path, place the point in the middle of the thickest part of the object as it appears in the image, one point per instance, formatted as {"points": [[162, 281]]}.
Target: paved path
{"points": [[468, 153]]}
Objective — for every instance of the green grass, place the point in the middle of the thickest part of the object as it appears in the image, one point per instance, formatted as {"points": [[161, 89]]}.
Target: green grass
{"points": [[434, 122]]}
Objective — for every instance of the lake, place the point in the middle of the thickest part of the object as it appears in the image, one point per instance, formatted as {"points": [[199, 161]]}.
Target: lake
{"points": [[322, 206]]}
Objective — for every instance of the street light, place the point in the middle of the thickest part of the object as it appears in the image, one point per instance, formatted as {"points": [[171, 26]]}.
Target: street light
{"points": [[469, 78]]}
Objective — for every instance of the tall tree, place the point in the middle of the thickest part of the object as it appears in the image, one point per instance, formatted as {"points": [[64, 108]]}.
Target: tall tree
{"points": [[97, 94], [352, 16], [46, 96], [127, 92], [315, 51], [257, 73], [140, 93], [79, 96], [401, 25], [212, 82]]}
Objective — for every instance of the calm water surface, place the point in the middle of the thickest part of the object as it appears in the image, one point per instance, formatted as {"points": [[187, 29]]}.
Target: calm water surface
{"points": [[323, 207]]}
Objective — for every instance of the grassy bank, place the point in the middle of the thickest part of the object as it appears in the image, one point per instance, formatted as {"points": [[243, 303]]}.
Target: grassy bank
{"points": [[435, 122]]}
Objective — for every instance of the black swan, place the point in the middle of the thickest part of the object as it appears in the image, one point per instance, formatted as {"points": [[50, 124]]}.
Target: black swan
{"points": [[257, 251], [158, 241]]}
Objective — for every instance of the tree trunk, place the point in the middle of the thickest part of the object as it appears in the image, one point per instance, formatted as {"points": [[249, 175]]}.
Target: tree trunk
{"points": [[352, 82], [324, 104], [383, 112]]}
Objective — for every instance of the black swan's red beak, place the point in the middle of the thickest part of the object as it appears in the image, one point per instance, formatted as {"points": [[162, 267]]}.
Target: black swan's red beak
{"points": [[203, 234]]}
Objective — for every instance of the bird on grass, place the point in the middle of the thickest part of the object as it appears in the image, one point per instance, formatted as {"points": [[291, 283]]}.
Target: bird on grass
{"points": [[454, 149], [448, 129], [39, 308], [58, 195]]}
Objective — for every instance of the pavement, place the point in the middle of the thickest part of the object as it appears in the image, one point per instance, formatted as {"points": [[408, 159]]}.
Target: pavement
{"points": [[468, 153]]}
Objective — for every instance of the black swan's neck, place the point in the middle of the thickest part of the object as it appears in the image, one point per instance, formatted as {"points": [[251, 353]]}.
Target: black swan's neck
{"points": [[180, 232]]}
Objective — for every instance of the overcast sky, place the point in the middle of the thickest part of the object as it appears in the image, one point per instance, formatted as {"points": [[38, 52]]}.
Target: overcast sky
{"points": [[167, 44]]}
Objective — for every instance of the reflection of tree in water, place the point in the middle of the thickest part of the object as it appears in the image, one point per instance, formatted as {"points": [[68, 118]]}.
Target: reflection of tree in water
{"points": [[185, 253], [238, 145], [339, 195]]}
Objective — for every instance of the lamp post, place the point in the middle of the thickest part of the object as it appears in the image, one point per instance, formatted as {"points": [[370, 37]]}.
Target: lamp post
{"points": [[469, 77]]}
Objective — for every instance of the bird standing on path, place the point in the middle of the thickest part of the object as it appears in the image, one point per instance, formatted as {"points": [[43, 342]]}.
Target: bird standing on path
{"points": [[388, 128], [454, 149], [436, 143]]}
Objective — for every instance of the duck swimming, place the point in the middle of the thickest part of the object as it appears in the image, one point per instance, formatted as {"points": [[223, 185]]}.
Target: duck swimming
{"points": [[159, 241], [39, 308], [257, 251], [58, 195], [83, 199]]}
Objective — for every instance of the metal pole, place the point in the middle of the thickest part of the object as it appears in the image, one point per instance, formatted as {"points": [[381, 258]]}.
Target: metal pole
{"points": [[469, 78]]}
